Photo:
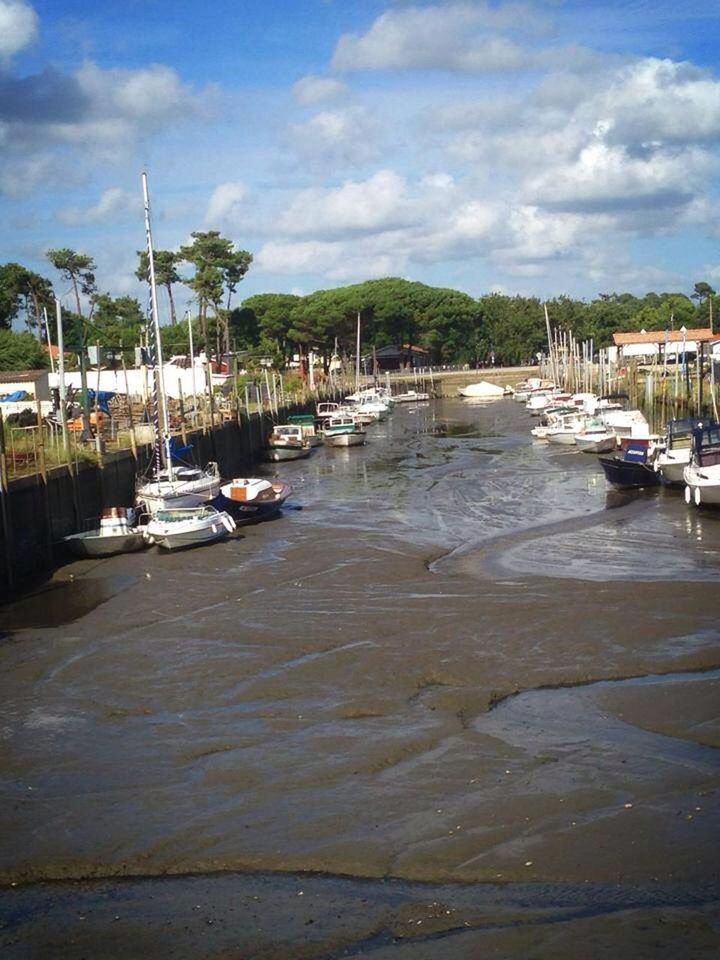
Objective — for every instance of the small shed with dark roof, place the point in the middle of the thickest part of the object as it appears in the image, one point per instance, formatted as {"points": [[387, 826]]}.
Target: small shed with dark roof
{"points": [[397, 356]]}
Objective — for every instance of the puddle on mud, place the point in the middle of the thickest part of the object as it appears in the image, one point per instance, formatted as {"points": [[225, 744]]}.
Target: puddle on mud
{"points": [[458, 429], [61, 602]]}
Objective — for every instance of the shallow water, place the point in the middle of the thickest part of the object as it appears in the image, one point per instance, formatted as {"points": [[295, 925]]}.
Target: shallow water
{"points": [[317, 692]]}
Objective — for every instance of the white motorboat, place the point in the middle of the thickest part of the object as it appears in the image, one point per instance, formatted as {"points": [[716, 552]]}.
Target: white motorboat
{"points": [[180, 527], [287, 442], [343, 431], [702, 474], [482, 390], [550, 419], [564, 431], [378, 409], [309, 431], [594, 436], [675, 456], [373, 394], [540, 400], [328, 409], [627, 423], [116, 533], [411, 396], [178, 486], [525, 389]]}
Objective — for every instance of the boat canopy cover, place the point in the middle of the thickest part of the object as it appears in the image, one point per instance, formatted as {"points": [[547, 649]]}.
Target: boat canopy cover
{"points": [[176, 451], [302, 418], [683, 426], [706, 436]]}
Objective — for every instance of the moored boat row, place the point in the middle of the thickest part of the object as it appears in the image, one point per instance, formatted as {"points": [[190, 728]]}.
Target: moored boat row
{"points": [[182, 505], [686, 455]]}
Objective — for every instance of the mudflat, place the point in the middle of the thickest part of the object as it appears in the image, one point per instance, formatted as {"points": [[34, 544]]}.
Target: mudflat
{"points": [[464, 702]]}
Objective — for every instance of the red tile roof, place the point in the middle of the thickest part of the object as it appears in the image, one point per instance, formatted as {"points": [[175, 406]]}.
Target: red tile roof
{"points": [[700, 334]]}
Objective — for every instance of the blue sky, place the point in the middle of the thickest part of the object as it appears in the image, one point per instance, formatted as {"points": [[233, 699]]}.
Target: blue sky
{"points": [[531, 147]]}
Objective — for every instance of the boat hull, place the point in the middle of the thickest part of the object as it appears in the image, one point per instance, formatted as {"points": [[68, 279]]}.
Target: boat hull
{"points": [[355, 439], [178, 529], [266, 504], [602, 443], [95, 543], [672, 468], [563, 437], [483, 390], [628, 475], [702, 485], [283, 452]]}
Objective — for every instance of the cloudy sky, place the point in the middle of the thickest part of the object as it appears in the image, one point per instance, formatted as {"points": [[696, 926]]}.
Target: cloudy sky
{"points": [[541, 147]]}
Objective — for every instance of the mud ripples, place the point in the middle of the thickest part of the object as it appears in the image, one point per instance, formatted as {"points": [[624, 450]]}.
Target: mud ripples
{"points": [[460, 665]]}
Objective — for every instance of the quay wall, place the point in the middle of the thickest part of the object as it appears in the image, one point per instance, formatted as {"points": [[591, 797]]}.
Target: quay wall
{"points": [[36, 514]]}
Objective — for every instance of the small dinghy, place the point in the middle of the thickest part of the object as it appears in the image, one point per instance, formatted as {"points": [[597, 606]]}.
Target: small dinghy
{"points": [[116, 533], [252, 498]]}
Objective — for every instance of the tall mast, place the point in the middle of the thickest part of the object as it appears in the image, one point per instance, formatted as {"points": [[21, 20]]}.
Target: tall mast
{"points": [[357, 354], [159, 398]]}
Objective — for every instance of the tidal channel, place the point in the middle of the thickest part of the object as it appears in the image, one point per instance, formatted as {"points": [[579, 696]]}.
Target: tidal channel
{"points": [[459, 700]]}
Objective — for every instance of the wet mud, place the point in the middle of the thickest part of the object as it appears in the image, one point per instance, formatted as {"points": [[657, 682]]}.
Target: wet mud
{"points": [[465, 700]]}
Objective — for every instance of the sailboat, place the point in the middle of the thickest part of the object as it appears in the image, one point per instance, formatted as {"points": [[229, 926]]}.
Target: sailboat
{"points": [[175, 495]]}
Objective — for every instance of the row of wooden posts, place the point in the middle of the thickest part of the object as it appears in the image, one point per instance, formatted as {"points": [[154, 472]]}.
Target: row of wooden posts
{"points": [[664, 391]]}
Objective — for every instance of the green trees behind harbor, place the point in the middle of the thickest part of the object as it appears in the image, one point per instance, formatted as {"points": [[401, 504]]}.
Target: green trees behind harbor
{"points": [[453, 327]]}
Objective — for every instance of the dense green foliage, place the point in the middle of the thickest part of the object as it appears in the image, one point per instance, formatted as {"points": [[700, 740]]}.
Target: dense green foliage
{"points": [[453, 327], [21, 351], [166, 274], [218, 267], [23, 292], [78, 269]]}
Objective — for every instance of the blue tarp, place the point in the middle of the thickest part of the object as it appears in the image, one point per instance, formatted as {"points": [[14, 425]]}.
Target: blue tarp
{"points": [[13, 397], [103, 398]]}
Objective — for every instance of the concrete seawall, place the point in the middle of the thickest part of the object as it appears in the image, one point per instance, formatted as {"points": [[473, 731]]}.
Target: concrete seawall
{"points": [[39, 514]]}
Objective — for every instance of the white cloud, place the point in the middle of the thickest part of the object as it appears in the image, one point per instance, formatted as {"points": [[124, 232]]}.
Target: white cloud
{"points": [[226, 205], [112, 205], [338, 262], [659, 101], [455, 36], [334, 137], [378, 203], [18, 27], [608, 178], [311, 90]]}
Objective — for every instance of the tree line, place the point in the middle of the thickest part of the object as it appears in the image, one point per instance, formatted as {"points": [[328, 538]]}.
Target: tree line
{"points": [[453, 327]]}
